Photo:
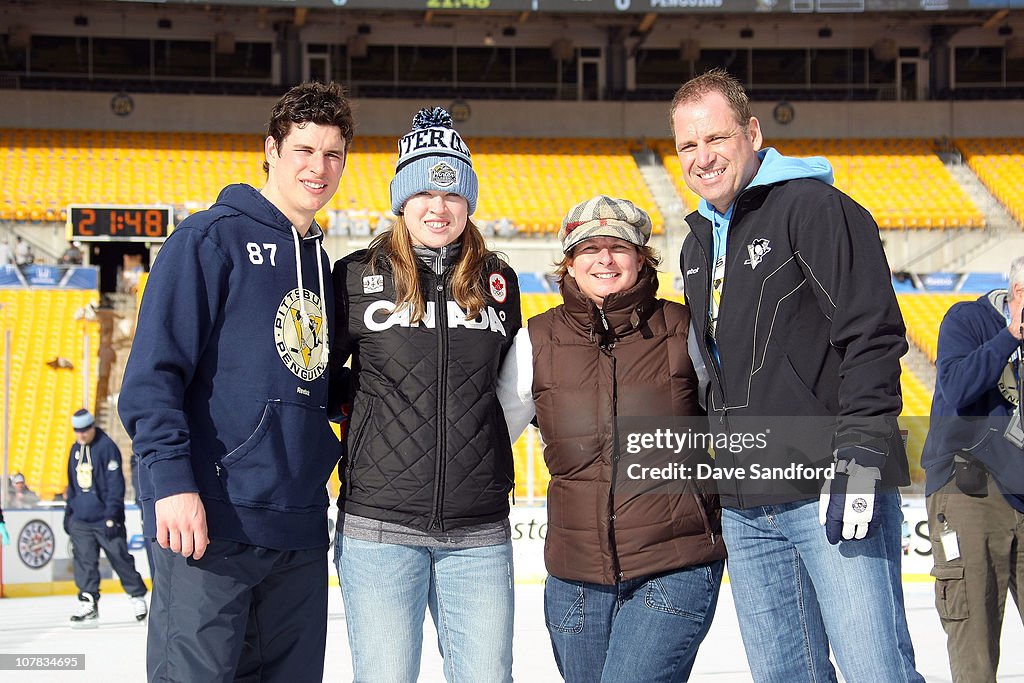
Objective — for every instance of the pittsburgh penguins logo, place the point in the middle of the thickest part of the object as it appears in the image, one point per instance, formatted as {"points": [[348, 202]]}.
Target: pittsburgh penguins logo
{"points": [[757, 250], [300, 337], [1008, 383]]}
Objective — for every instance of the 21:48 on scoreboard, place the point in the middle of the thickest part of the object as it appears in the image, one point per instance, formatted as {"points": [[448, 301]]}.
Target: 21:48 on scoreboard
{"points": [[119, 222]]}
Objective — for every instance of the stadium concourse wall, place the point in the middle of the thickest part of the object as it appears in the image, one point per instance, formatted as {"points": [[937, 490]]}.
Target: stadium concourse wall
{"points": [[504, 118]]}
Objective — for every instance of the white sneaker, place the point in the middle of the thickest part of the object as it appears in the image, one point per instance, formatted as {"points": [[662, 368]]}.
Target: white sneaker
{"points": [[87, 614], [139, 605]]}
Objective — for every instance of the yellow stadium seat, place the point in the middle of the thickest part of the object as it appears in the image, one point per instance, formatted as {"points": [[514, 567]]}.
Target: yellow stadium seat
{"points": [[999, 163], [902, 182], [44, 327], [923, 313]]}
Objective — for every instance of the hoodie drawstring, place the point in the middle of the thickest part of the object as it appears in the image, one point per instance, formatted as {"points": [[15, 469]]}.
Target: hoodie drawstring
{"points": [[323, 299], [304, 318]]}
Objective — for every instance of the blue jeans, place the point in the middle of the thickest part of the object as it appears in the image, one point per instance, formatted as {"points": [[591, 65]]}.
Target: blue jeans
{"points": [[796, 594], [645, 629], [387, 589]]}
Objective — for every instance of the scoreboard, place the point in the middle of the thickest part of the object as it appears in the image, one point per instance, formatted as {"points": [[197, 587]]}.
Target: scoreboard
{"points": [[640, 6], [119, 222]]}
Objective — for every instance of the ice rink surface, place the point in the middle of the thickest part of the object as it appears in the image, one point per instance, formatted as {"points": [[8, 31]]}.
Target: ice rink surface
{"points": [[115, 651]]}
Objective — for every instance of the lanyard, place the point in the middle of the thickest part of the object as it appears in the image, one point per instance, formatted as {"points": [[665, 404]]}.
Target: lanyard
{"points": [[1015, 358]]}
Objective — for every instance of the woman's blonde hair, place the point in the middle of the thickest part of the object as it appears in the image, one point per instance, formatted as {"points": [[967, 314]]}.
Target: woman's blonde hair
{"points": [[395, 247]]}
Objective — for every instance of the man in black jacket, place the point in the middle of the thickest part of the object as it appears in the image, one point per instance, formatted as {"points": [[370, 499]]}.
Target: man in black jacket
{"points": [[94, 518], [801, 334]]}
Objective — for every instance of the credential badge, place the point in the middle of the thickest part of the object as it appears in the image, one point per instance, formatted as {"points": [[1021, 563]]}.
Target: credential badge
{"points": [[1007, 383]]}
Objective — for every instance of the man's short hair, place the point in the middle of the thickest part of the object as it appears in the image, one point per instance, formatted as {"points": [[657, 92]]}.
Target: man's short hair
{"points": [[716, 80], [1017, 271], [324, 105]]}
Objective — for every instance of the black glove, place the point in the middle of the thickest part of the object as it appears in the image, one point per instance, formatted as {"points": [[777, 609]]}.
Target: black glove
{"points": [[67, 520], [113, 529]]}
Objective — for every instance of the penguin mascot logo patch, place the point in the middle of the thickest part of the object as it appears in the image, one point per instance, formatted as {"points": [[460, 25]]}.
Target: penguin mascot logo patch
{"points": [[299, 338], [757, 249]]}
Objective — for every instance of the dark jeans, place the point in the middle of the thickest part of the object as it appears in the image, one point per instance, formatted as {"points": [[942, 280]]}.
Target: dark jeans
{"points": [[241, 613], [86, 541], [645, 629]]}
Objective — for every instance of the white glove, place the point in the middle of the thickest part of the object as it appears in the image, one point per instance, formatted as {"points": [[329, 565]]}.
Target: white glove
{"points": [[847, 505]]}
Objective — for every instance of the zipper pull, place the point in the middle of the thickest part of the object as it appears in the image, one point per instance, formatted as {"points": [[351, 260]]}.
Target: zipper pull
{"points": [[604, 321], [218, 469]]}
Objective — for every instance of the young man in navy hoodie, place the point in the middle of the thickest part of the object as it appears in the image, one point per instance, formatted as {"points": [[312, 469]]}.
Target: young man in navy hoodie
{"points": [[802, 338], [225, 397], [974, 475]]}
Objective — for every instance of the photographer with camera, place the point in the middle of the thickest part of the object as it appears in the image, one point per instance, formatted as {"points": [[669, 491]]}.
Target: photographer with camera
{"points": [[974, 475]]}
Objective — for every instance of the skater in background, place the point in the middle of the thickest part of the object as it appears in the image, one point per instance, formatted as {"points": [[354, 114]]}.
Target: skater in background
{"points": [[94, 519]]}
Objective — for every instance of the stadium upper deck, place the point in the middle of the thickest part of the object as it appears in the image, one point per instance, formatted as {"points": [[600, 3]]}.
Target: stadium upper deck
{"points": [[905, 50]]}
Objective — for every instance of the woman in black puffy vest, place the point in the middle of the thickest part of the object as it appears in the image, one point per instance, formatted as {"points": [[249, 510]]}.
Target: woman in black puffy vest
{"points": [[427, 314]]}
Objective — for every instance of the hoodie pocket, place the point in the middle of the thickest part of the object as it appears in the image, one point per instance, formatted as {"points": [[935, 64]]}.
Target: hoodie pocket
{"points": [[285, 463]]}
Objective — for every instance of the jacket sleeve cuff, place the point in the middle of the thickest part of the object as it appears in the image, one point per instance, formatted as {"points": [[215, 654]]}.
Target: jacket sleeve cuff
{"points": [[172, 476], [1007, 340], [863, 455]]}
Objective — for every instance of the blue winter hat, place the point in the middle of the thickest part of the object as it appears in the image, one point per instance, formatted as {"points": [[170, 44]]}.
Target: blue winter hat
{"points": [[432, 156], [82, 420]]}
